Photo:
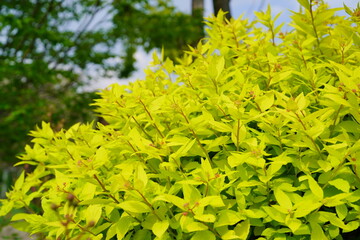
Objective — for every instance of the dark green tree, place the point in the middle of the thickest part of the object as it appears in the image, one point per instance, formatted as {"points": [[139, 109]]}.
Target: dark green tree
{"points": [[48, 46]]}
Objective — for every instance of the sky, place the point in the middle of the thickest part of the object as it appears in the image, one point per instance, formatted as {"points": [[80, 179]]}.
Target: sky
{"points": [[238, 7]]}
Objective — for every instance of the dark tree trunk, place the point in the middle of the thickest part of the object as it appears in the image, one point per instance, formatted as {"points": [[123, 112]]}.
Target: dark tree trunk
{"points": [[197, 7], [197, 12], [224, 5]]}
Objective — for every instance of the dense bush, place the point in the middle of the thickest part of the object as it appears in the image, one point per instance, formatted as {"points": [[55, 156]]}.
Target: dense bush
{"points": [[254, 135]]}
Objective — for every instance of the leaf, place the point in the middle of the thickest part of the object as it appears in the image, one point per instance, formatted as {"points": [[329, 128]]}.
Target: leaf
{"points": [[304, 3], [205, 217], [20, 181], [122, 226], [101, 228], [238, 134], [347, 10], [202, 235], [214, 201], [141, 178], [96, 201], [220, 126], [305, 207], [88, 192], [191, 194], [340, 184], [196, 226], [177, 201], [265, 101], [184, 149], [293, 223], [242, 229], [220, 65], [227, 217], [134, 206], [206, 167], [93, 213], [302, 101], [142, 234], [6, 207], [315, 188], [316, 232], [30, 218], [160, 227], [274, 214], [283, 199], [341, 211], [101, 158], [187, 223]]}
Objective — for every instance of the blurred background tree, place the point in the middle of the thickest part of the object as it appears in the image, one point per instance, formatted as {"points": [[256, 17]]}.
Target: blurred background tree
{"points": [[50, 49]]}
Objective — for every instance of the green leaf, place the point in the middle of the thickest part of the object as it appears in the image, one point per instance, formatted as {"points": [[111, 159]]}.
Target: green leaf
{"points": [[122, 226], [88, 192], [220, 126], [188, 224], [304, 3], [141, 178], [282, 198], [20, 181], [238, 134], [205, 217], [316, 232], [160, 227], [214, 201], [184, 149], [315, 188], [101, 158], [134, 206], [265, 101], [227, 217], [340, 184], [342, 211], [305, 207], [93, 213], [177, 201], [96, 201], [191, 194], [242, 229], [274, 214], [293, 223], [201, 235]]}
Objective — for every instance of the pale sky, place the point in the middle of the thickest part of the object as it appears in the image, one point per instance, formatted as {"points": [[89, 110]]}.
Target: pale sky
{"points": [[237, 7]]}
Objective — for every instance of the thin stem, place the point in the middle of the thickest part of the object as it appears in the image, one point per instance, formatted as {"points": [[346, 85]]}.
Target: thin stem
{"points": [[104, 189], [223, 112], [142, 129], [153, 122], [148, 204], [212, 230], [332, 127], [83, 229], [311, 139], [314, 27], [140, 156], [195, 136], [279, 139], [237, 135], [70, 154]]}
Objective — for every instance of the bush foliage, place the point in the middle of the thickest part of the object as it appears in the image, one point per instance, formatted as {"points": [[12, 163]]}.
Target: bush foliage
{"points": [[253, 135]]}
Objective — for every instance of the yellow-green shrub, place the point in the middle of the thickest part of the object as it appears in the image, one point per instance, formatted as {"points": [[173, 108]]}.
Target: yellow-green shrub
{"points": [[253, 135]]}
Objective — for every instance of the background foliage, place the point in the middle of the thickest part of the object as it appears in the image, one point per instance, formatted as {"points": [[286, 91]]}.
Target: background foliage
{"points": [[255, 134], [49, 48]]}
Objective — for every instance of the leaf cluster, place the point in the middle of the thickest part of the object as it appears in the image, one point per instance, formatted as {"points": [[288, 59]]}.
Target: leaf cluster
{"points": [[253, 135]]}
